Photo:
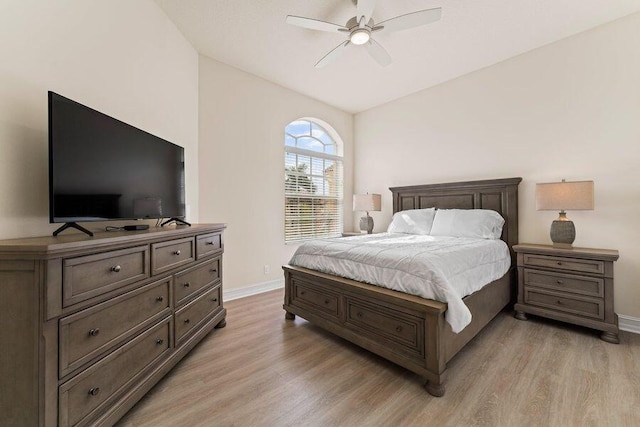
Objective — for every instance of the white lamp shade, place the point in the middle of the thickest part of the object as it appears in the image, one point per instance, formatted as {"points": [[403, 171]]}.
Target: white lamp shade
{"points": [[576, 195], [367, 202]]}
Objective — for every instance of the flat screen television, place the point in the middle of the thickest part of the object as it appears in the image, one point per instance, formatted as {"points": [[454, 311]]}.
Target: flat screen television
{"points": [[103, 169]]}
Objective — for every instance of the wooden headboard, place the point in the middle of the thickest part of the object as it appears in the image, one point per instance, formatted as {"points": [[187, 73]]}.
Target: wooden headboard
{"points": [[500, 195]]}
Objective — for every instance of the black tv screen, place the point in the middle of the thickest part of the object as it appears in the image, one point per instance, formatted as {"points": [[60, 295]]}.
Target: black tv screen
{"points": [[103, 169]]}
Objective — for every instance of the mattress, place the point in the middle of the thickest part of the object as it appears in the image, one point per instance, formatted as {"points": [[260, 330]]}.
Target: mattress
{"points": [[441, 268]]}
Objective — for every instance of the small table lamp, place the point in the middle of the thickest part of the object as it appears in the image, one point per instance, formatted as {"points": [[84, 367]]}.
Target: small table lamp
{"points": [[367, 202], [577, 195]]}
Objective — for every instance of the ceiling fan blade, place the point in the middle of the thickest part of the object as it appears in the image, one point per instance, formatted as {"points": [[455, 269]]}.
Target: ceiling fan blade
{"points": [[331, 56], [314, 24], [365, 10], [378, 53], [410, 20]]}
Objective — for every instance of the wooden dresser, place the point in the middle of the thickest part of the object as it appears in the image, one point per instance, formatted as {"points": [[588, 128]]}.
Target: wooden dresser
{"points": [[89, 324], [572, 285]]}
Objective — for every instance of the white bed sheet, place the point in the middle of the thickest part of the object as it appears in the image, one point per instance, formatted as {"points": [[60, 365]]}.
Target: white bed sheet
{"points": [[435, 267]]}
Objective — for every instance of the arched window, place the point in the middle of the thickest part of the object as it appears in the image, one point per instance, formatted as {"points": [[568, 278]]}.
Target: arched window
{"points": [[312, 181]]}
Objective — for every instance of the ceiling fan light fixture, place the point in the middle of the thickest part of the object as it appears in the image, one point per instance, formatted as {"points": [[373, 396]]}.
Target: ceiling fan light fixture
{"points": [[360, 36], [360, 27]]}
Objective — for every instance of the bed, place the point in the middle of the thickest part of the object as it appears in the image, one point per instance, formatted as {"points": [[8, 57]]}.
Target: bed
{"points": [[409, 330]]}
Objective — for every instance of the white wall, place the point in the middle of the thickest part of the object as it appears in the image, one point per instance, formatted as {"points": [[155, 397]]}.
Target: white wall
{"points": [[242, 121], [567, 110], [124, 58]]}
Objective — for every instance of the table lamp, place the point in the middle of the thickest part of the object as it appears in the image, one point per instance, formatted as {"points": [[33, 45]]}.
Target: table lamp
{"points": [[576, 195], [367, 203]]}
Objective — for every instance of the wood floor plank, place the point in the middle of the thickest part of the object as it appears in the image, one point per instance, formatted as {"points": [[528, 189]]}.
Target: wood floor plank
{"points": [[263, 370]]}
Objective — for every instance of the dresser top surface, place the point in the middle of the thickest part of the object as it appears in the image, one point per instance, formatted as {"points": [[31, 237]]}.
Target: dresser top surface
{"points": [[591, 253], [79, 241]]}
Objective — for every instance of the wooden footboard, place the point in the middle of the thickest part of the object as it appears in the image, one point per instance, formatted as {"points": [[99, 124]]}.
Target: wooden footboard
{"points": [[407, 330]]}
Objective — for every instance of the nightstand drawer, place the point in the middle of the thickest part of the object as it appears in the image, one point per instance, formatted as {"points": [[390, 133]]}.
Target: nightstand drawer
{"points": [[588, 307], [563, 263], [583, 285]]}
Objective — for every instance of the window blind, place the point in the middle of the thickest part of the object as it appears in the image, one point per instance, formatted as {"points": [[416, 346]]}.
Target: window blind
{"points": [[313, 184]]}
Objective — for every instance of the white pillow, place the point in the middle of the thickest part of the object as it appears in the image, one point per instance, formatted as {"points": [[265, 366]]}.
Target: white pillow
{"points": [[478, 223], [413, 221]]}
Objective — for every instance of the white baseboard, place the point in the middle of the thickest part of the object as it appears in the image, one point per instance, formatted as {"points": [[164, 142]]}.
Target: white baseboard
{"points": [[228, 295], [629, 324]]}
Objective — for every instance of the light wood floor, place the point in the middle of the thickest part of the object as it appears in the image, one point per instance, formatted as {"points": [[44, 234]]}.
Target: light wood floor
{"points": [[262, 370]]}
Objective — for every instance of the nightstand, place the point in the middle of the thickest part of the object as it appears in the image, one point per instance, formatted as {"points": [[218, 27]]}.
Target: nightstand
{"points": [[572, 285]]}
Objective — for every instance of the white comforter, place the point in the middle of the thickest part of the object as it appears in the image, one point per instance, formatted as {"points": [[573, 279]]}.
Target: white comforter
{"points": [[441, 268]]}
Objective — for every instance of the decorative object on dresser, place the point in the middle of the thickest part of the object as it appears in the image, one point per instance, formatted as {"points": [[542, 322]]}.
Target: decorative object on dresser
{"points": [[367, 203], [406, 329], [89, 325], [571, 285], [577, 195]]}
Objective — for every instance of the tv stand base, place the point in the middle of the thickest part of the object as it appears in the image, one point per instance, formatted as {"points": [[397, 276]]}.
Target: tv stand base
{"points": [[72, 225], [178, 221]]}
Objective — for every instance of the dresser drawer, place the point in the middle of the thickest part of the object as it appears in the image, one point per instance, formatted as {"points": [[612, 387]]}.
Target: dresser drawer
{"points": [[397, 328], [315, 298], [174, 253], [582, 285], [190, 316], [88, 276], [563, 263], [192, 280], [87, 334], [208, 244], [582, 306], [82, 396]]}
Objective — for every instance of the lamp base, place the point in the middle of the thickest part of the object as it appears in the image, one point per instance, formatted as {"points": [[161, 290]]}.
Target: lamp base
{"points": [[562, 245], [562, 233], [366, 224]]}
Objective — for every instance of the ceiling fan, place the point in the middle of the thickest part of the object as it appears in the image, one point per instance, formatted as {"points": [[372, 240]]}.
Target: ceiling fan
{"points": [[360, 27]]}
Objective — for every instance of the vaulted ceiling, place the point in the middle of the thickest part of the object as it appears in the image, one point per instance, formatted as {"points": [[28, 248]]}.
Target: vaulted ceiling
{"points": [[252, 35]]}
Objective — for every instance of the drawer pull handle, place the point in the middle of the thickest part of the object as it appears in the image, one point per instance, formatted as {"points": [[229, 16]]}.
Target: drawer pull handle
{"points": [[398, 328], [187, 321], [214, 299], [326, 302], [186, 285], [559, 262], [302, 292], [116, 269], [214, 270], [559, 282], [94, 332], [176, 252], [94, 391], [559, 302], [160, 298], [210, 243], [159, 341], [359, 314]]}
